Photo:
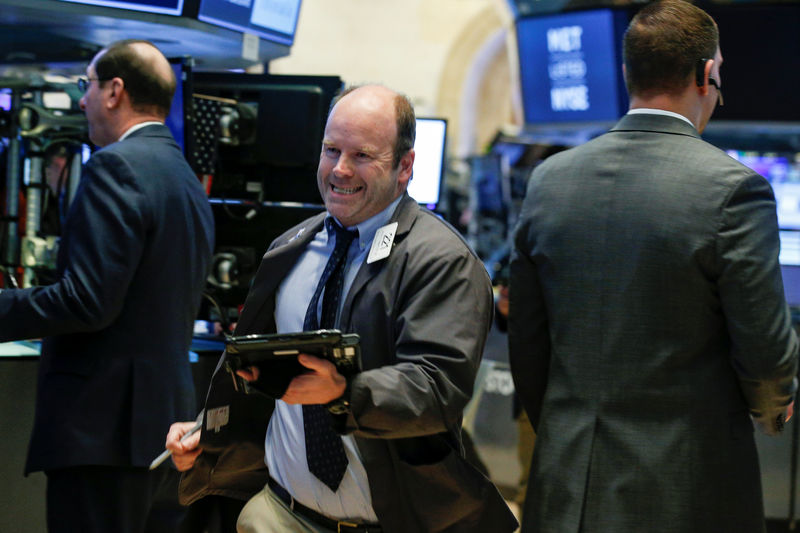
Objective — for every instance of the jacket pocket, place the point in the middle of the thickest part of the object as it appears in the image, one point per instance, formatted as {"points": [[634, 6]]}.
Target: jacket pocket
{"points": [[447, 492]]}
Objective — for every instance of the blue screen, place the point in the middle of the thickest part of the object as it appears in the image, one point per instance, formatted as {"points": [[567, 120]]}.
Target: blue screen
{"points": [[175, 119], [274, 20], [782, 170], [571, 66], [167, 7]]}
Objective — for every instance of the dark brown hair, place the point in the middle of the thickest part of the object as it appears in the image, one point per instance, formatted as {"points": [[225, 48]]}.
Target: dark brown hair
{"points": [[663, 44], [148, 91]]}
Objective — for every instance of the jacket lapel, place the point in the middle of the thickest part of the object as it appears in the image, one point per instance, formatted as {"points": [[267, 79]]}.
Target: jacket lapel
{"points": [[404, 215], [275, 265]]}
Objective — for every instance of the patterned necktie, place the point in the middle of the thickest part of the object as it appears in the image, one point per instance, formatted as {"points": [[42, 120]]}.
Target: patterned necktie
{"points": [[324, 448]]}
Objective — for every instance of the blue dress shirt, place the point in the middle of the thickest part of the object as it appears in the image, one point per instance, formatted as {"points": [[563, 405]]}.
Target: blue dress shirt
{"points": [[285, 442]]}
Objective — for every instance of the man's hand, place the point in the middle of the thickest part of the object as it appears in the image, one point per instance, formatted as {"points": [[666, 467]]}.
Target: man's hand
{"points": [[184, 453], [320, 385], [250, 373]]}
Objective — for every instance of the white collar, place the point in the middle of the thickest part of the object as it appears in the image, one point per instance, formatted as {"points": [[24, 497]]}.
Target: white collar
{"points": [[138, 127], [652, 111]]}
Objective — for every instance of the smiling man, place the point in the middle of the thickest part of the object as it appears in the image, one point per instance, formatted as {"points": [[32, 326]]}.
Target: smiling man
{"points": [[421, 302]]}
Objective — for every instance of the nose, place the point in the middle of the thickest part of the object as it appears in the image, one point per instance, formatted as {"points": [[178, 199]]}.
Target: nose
{"points": [[82, 103], [343, 167]]}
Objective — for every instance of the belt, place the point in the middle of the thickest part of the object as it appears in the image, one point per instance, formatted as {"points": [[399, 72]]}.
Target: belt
{"points": [[340, 526]]}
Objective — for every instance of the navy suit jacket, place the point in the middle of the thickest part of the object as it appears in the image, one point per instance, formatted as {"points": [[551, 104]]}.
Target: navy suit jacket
{"points": [[117, 325]]}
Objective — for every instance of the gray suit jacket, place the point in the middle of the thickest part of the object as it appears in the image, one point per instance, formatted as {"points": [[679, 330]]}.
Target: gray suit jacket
{"points": [[423, 315], [648, 323]]}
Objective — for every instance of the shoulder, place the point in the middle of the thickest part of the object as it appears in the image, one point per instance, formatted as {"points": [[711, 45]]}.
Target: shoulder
{"points": [[298, 231], [433, 241], [431, 228]]}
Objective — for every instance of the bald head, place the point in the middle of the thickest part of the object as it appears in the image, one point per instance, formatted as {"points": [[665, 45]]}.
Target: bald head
{"points": [[383, 100], [145, 72]]}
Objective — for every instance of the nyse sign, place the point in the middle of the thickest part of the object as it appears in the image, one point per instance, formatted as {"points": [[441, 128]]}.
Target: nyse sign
{"points": [[570, 66], [569, 90]]}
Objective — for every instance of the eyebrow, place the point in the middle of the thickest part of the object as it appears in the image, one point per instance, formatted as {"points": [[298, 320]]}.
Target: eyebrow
{"points": [[367, 149]]}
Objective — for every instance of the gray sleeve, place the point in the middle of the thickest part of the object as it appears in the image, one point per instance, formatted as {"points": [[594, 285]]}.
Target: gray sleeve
{"points": [[442, 311], [763, 343]]}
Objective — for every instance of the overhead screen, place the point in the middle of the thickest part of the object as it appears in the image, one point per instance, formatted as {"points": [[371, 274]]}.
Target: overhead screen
{"points": [[571, 66], [274, 20], [166, 7]]}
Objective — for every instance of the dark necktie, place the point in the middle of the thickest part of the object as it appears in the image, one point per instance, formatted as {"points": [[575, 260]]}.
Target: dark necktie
{"points": [[324, 449]]}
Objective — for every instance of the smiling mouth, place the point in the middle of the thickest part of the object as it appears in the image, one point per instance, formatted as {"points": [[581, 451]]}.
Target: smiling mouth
{"points": [[345, 190]]}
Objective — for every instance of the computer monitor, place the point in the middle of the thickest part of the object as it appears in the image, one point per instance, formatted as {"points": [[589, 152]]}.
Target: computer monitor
{"points": [[278, 162], [274, 20], [164, 7], [5, 99], [181, 116], [782, 170], [429, 162]]}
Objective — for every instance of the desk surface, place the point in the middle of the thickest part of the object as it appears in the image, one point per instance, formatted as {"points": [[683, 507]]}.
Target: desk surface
{"points": [[33, 348], [19, 349]]}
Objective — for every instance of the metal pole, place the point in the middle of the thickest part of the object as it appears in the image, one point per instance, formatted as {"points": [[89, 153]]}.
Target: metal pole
{"points": [[11, 252]]}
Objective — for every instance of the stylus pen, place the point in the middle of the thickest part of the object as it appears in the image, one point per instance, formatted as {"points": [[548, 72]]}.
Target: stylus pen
{"points": [[166, 453]]}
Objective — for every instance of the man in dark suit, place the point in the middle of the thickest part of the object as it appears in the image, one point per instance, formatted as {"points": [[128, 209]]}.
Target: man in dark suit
{"points": [[421, 302], [648, 324], [117, 324]]}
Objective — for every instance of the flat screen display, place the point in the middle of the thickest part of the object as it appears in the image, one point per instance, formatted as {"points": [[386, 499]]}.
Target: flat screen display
{"points": [[166, 7], [5, 100], [275, 20], [782, 170], [571, 66], [180, 119], [429, 160], [175, 118]]}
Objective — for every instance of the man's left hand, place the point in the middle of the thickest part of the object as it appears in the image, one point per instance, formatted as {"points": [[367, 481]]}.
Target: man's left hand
{"points": [[320, 385]]}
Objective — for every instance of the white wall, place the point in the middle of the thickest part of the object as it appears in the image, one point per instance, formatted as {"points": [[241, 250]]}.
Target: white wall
{"points": [[414, 46]]}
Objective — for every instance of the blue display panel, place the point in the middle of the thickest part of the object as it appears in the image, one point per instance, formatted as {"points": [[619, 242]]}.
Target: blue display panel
{"points": [[429, 161], [166, 7], [275, 20], [782, 170], [571, 66], [177, 112]]}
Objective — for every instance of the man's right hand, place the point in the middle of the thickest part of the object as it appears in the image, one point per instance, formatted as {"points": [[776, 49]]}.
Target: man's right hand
{"points": [[184, 453]]}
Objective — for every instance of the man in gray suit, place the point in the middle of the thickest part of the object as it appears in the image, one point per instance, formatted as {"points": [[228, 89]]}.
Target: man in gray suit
{"points": [[648, 324], [421, 302]]}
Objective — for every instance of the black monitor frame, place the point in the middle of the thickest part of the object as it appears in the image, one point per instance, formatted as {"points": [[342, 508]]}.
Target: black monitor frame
{"points": [[169, 7]]}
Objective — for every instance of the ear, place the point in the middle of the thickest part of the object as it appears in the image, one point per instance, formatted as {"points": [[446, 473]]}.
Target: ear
{"points": [[117, 86], [406, 166], [702, 72]]}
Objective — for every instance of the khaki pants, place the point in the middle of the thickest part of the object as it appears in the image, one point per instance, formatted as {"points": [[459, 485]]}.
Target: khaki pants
{"points": [[266, 513]]}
